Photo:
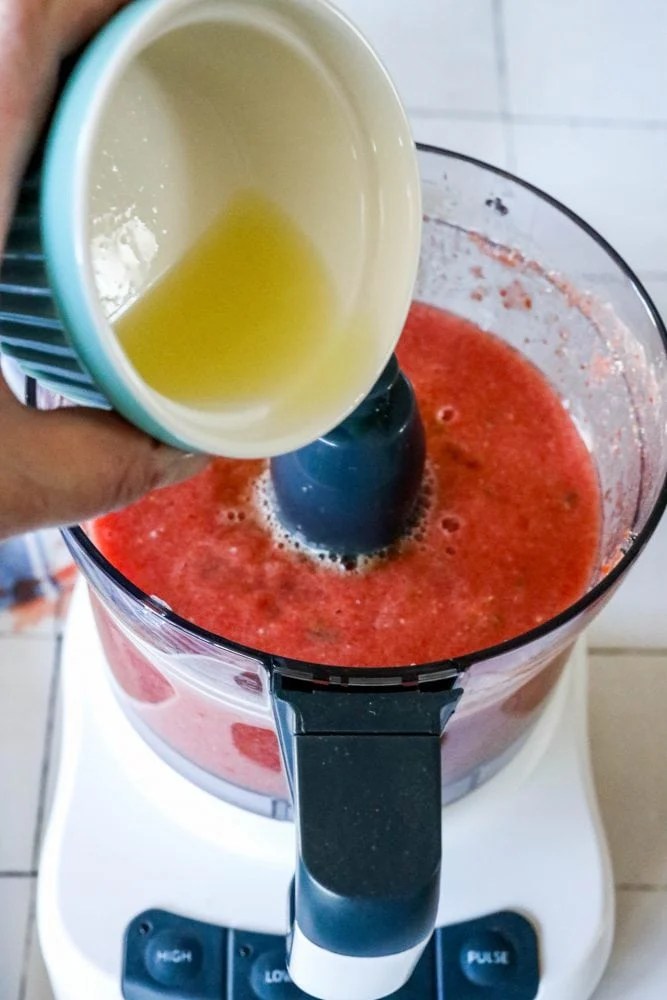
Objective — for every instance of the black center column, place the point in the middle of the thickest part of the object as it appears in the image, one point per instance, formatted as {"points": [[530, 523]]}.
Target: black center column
{"points": [[364, 765]]}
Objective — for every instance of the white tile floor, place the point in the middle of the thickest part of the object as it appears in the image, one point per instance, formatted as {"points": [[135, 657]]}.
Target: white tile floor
{"points": [[28, 696], [573, 95]]}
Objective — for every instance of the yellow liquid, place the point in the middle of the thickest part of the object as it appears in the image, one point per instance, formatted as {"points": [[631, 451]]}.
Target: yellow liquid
{"points": [[239, 317]]}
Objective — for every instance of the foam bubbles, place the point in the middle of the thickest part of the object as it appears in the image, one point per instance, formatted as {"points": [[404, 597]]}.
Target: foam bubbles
{"points": [[415, 534]]}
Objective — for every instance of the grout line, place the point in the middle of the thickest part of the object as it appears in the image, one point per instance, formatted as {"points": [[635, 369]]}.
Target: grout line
{"points": [[27, 634], [28, 941], [39, 819], [454, 115], [641, 651], [592, 121], [502, 78], [32, 873], [639, 887], [554, 121], [46, 752]]}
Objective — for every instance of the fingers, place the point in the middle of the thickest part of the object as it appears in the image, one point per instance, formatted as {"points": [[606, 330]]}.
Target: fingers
{"points": [[78, 19], [34, 36], [70, 465]]}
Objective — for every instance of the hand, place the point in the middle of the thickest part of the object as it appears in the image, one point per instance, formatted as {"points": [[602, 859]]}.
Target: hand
{"points": [[65, 465], [34, 37]]}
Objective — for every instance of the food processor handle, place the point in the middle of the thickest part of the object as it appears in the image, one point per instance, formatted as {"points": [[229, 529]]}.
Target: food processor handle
{"points": [[364, 765]]}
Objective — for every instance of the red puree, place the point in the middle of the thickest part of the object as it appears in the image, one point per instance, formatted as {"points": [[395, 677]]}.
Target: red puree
{"points": [[510, 538]]}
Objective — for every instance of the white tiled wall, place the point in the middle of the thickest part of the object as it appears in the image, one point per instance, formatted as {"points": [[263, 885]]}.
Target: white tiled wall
{"points": [[586, 59], [573, 95], [441, 53]]}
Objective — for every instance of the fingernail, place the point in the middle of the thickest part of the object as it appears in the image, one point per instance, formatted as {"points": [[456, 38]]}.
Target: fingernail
{"points": [[177, 466]]}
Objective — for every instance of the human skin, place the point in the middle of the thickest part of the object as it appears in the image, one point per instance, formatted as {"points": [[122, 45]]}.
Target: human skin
{"points": [[66, 465]]}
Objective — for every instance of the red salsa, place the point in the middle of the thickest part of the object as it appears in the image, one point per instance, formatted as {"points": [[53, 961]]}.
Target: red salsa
{"points": [[510, 536]]}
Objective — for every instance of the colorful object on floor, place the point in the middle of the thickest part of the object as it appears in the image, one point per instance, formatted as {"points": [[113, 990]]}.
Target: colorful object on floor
{"points": [[36, 578]]}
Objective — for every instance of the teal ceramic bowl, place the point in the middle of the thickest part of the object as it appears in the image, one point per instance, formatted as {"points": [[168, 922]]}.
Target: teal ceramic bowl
{"points": [[174, 109], [49, 321]]}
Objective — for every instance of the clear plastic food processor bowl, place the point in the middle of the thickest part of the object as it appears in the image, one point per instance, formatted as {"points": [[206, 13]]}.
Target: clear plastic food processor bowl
{"points": [[513, 261]]}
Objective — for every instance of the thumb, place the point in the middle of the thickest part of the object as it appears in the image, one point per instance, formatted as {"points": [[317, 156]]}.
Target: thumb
{"points": [[69, 465]]}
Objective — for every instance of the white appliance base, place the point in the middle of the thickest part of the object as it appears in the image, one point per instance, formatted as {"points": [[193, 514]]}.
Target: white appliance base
{"points": [[127, 833]]}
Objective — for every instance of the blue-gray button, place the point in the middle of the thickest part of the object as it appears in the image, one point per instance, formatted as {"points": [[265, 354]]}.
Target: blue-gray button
{"points": [[488, 958], [270, 979], [173, 958]]}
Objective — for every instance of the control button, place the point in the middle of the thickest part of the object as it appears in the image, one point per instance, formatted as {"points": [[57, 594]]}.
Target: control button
{"points": [[169, 955], [257, 971], [174, 958], [270, 979], [488, 959]]}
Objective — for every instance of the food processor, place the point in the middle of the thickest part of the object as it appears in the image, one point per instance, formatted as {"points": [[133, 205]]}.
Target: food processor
{"points": [[223, 814]]}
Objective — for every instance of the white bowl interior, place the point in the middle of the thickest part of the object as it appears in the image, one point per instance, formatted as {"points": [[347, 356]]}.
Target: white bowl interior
{"points": [[287, 100]]}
